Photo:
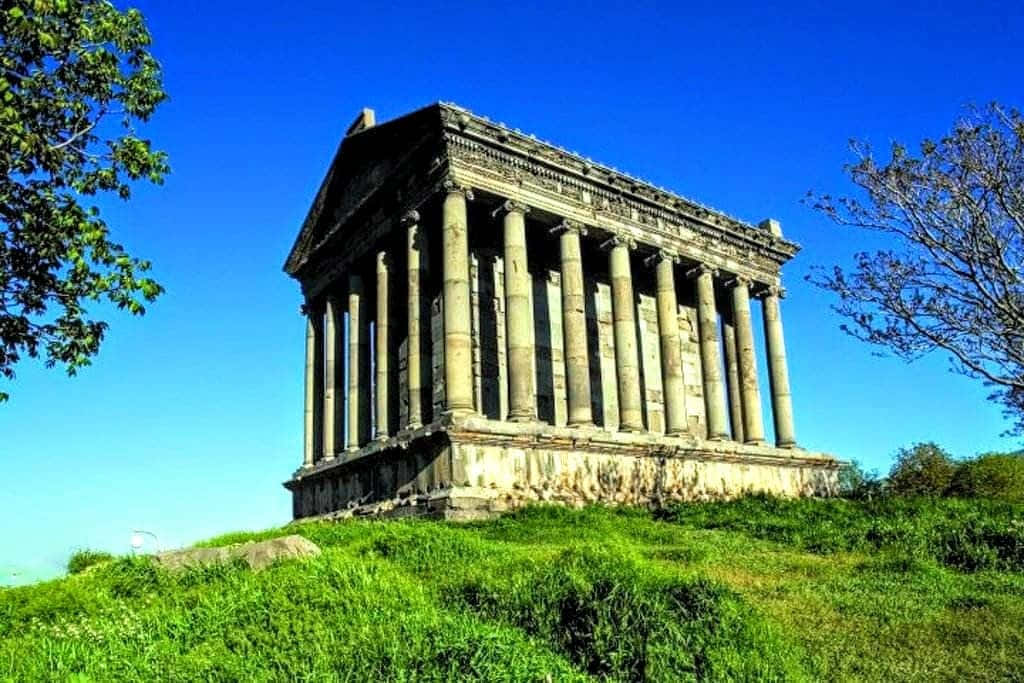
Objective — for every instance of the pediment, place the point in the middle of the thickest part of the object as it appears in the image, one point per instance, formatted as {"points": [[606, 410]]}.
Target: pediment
{"points": [[363, 161]]}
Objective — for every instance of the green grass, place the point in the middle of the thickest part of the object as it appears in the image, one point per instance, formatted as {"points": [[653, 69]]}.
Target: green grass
{"points": [[756, 589]]}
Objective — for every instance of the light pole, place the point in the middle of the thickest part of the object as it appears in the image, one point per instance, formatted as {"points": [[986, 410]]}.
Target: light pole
{"points": [[138, 540]]}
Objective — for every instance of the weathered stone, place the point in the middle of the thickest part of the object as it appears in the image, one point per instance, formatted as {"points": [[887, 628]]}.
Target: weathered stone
{"points": [[530, 368], [257, 554]]}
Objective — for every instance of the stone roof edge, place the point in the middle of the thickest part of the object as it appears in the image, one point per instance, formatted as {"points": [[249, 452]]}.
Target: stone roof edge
{"points": [[667, 197], [299, 251]]}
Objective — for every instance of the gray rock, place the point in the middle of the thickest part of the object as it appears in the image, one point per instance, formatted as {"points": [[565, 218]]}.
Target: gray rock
{"points": [[256, 554]]}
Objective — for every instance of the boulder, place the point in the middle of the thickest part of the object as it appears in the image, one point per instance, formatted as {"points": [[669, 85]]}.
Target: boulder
{"points": [[256, 554]]}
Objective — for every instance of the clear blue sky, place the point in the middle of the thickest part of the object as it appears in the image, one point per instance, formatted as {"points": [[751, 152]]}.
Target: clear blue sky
{"points": [[192, 416]]}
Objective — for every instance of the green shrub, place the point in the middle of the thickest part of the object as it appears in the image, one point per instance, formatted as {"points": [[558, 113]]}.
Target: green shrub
{"points": [[993, 475], [857, 483], [965, 535], [81, 560], [924, 469]]}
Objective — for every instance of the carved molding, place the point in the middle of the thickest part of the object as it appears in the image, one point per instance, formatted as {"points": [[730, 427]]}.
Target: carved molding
{"points": [[451, 186], [511, 206], [569, 226], [661, 255], [618, 241], [701, 269], [410, 217]]}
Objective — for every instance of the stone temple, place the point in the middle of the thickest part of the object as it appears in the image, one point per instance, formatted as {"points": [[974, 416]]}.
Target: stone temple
{"points": [[492, 320]]}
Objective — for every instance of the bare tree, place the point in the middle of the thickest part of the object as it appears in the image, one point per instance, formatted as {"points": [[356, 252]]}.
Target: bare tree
{"points": [[953, 279]]}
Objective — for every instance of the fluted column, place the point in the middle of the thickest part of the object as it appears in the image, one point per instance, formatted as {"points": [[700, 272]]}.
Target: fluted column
{"points": [[458, 356], [522, 405], [732, 378], [416, 260], [750, 394], [574, 325], [707, 323], [673, 387], [334, 391], [358, 365], [627, 362], [778, 371], [313, 442], [382, 348]]}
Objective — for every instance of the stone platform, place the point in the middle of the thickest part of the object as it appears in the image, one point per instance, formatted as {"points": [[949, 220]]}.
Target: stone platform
{"points": [[472, 467]]}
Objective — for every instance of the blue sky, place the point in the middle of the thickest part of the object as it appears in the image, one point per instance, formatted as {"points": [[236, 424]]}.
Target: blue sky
{"points": [[192, 416]]}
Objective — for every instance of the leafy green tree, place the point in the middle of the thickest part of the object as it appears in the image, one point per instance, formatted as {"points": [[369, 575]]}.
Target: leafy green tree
{"points": [[924, 469], [954, 277], [991, 475], [76, 78]]}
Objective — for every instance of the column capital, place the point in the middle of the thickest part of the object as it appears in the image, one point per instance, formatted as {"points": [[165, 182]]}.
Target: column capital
{"points": [[659, 256], [777, 291], [701, 269], [619, 240], [510, 206], [384, 258], [738, 281], [410, 217], [451, 186], [568, 225]]}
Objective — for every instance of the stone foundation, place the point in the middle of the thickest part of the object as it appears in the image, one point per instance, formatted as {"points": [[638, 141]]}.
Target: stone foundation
{"points": [[474, 467]]}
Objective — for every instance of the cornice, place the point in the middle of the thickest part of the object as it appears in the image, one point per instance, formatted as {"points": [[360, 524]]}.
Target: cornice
{"points": [[600, 187]]}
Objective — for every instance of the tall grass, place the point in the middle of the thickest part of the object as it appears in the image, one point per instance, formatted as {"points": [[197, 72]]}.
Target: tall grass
{"points": [[963, 534], [756, 589]]}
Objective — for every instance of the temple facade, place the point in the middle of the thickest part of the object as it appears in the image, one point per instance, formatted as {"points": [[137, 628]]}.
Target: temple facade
{"points": [[492, 320]]}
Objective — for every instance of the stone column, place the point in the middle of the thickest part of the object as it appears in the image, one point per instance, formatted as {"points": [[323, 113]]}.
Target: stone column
{"points": [[382, 348], [314, 415], [458, 355], [750, 395], [627, 363], [522, 404], [416, 260], [673, 387], [334, 391], [707, 323], [732, 378], [358, 365], [778, 372], [574, 325]]}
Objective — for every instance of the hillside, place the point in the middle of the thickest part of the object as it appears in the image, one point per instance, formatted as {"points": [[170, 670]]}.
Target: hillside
{"points": [[756, 589]]}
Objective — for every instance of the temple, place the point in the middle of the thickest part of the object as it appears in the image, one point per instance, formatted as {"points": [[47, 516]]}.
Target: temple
{"points": [[492, 320]]}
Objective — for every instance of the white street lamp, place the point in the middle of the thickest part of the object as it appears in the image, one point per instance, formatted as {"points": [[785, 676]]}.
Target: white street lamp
{"points": [[138, 540]]}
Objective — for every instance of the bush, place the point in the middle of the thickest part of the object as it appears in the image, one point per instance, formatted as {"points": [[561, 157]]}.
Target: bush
{"points": [[857, 483], [921, 470], [963, 535], [993, 475], [81, 560]]}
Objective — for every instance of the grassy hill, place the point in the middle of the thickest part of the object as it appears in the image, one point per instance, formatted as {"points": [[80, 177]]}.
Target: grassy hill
{"points": [[756, 589]]}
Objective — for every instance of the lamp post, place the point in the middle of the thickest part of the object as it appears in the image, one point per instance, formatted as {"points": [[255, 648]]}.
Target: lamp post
{"points": [[138, 540]]}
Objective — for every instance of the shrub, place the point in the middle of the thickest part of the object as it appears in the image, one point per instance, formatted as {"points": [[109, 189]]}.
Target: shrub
{"points": [[924, 469], [857, 483], [992, 475], [81, 560]]}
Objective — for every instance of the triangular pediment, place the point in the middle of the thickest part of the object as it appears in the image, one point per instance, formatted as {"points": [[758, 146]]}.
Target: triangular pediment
{"points": [[364, 159]]}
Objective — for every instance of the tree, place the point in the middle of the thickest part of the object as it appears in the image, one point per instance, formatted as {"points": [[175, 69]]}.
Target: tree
{"points": [[857, 483], [953, 279], [924, 469], [990, 475], [75, 79]]}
